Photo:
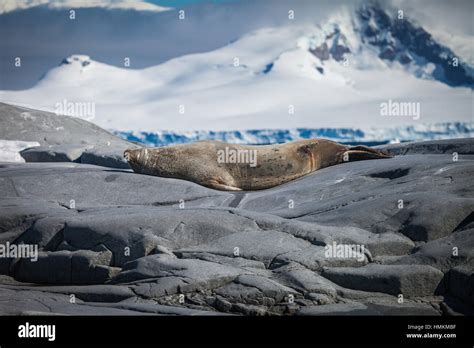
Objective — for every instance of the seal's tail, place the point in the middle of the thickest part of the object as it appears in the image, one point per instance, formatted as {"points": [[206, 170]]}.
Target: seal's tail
{"points": [[361, 153]]}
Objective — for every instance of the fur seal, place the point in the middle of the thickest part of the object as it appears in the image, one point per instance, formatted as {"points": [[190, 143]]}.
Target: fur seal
{"points": [[231, 167]]}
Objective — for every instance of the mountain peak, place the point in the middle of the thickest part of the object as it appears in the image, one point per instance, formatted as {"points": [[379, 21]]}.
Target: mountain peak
{"points": [[77, 59], [396, 39]]}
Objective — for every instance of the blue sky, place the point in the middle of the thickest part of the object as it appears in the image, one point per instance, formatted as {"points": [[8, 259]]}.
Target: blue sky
{"points": [[179, 3]]}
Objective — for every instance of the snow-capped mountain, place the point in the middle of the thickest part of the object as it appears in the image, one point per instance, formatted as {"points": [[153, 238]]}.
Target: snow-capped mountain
{"points": [[138, 5], [333, 75], [395, 39]]}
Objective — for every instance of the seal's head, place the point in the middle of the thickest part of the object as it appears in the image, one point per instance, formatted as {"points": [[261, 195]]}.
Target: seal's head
{"points": [[135, 158]]}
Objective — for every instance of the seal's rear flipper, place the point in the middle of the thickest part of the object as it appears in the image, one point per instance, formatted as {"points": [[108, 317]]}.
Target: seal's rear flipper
{"points": [[361, 153], [215, 185]]}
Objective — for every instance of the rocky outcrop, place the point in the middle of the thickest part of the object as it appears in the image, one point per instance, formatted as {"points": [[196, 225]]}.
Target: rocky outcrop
{"points": [[62, 138], [383, 237]]}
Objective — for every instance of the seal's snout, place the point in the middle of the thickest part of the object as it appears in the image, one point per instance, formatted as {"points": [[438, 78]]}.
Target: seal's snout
{"points": [[134, 159], [131, 155], [127, 154]]}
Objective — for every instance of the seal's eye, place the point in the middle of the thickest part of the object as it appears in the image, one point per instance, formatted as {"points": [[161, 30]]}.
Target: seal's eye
{"points": [[126, 154]]}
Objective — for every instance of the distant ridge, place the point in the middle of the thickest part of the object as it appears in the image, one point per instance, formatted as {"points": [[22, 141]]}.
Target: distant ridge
{"points": [[368, 137]]}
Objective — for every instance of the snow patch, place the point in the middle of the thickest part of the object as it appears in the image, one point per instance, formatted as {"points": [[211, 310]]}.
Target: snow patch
{"points": [[10, 150]]}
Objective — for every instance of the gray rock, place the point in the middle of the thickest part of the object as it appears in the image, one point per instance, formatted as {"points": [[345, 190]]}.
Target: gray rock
{"points": [[368, 309], [19, 214], [267, 287], [314, 258], [152, 309], [151, 288], [106, 156], [413, 280], [32, 302], [222, 304], [463, 146], [443, 253], [412, 221], [343, 195], [237, 294], [336, 309], [247, 309], [54, 153], [47, 128], [319, 299], [46, 232], [63, 138], [183, 274], [65, 267], [298, 277], [461, 282], [91, 186], [377, 243], [86, 293], [233, 261], [263, 246], [17, 218], [391, 306], [133, 232]]}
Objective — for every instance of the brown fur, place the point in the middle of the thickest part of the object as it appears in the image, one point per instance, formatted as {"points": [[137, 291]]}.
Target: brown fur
{"points": [[275, 164]]}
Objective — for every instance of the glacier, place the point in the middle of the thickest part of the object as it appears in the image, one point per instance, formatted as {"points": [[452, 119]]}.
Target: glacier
{"points": [[353, 136]]}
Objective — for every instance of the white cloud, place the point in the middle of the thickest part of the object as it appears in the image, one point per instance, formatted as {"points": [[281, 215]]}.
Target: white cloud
{"points": [[13, 5]]}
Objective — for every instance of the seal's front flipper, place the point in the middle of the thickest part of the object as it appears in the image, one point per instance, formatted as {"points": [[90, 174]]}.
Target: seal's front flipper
{"points": [[361, 155], [215, 185], [369, 149]]}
